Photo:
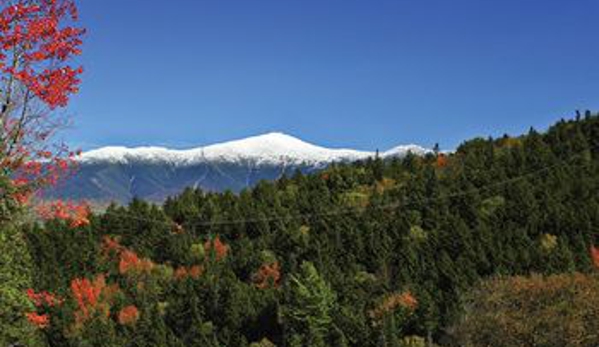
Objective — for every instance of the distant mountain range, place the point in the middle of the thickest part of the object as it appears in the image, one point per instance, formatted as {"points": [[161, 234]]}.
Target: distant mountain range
{"points": [[154, 173]]}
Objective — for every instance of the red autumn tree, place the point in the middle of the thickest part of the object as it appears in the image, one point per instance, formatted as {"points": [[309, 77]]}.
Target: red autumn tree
{"points": [[40, 321], [76, 214], [220, 248], [130, 262], [38, 41], [128, 315], [93, 298], [43, 298]]}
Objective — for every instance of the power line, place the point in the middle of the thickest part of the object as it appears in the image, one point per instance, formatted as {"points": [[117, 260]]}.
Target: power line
{"points": [[352, 210]]}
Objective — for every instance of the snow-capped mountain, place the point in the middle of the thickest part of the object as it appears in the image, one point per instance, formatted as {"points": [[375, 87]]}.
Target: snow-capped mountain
{"points": [[269, 149], [120, 173]]}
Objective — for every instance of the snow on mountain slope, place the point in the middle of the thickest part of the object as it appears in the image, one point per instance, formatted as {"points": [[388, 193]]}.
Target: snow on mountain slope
{"points": [[272, 148]]}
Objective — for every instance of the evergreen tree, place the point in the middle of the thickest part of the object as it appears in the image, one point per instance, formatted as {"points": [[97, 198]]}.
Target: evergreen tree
{"points": [[15, 278], [307, 313]]}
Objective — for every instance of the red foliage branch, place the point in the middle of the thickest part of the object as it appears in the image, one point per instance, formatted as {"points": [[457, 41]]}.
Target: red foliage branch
{"points": [[38, 41], [76, 214]]}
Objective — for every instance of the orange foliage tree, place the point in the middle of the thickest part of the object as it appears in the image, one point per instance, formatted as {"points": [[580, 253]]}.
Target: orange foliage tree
{"points": [[128, 315], [93, 298], [394, 302], [38, 41], [220, 248], [130, 262], [41, 301], [40, 321], [75, 214]]}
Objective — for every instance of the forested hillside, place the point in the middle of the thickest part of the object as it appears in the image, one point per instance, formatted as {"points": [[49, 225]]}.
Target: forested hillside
{"points": [[374, 253]]}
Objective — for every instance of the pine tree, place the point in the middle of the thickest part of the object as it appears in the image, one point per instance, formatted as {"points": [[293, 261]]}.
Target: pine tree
{"points": [[306, 313], [15, 278]]}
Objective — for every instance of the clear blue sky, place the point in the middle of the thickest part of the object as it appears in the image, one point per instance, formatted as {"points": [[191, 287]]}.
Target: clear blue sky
{"points": [[357, 73]]}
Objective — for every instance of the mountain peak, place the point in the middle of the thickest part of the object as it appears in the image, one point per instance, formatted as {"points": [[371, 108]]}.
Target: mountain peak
{"points": [[275, 140], [119, 173], [275, 148]]}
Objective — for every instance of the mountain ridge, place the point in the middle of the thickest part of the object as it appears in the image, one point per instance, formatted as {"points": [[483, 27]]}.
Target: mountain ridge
{"points": [[119, 174], [271, 148]]}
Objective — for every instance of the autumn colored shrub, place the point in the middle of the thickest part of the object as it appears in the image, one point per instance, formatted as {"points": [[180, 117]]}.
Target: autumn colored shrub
{"points": [[40, 321], [43, 298], [394, 302], [131, 263], [111, 247], [220, 248], [195, 271], [76, 214], [182, 272], [93, 298], [128, 315], [268, 275], [559, 310]]}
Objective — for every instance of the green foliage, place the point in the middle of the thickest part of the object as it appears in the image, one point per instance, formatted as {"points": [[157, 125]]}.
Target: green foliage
{"points": [[508, 206], [15, 279], [8, 205], [548, 243], [417, 234], [307, 313], [198, 251], [413, 341], [263, 343], [491, 205]]}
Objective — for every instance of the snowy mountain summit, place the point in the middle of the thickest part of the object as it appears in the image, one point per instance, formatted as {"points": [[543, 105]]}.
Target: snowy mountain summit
{"points": [[268, 149], [155, 173]]}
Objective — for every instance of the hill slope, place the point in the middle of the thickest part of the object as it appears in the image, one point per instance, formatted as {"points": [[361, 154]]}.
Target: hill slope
{"points": [[367, 254]]}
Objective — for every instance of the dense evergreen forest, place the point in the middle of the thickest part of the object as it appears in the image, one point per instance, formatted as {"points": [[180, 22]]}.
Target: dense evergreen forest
{"points": [[374, 253]]}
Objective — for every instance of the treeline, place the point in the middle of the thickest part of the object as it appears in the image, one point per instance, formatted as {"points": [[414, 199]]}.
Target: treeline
{"points": [[374, 253]]}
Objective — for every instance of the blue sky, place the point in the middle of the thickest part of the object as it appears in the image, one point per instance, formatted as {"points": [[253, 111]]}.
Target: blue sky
{"points": [[368, 74]]}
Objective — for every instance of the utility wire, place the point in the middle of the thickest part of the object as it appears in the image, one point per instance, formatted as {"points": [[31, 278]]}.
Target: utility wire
{"points": [[353, 210]]}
